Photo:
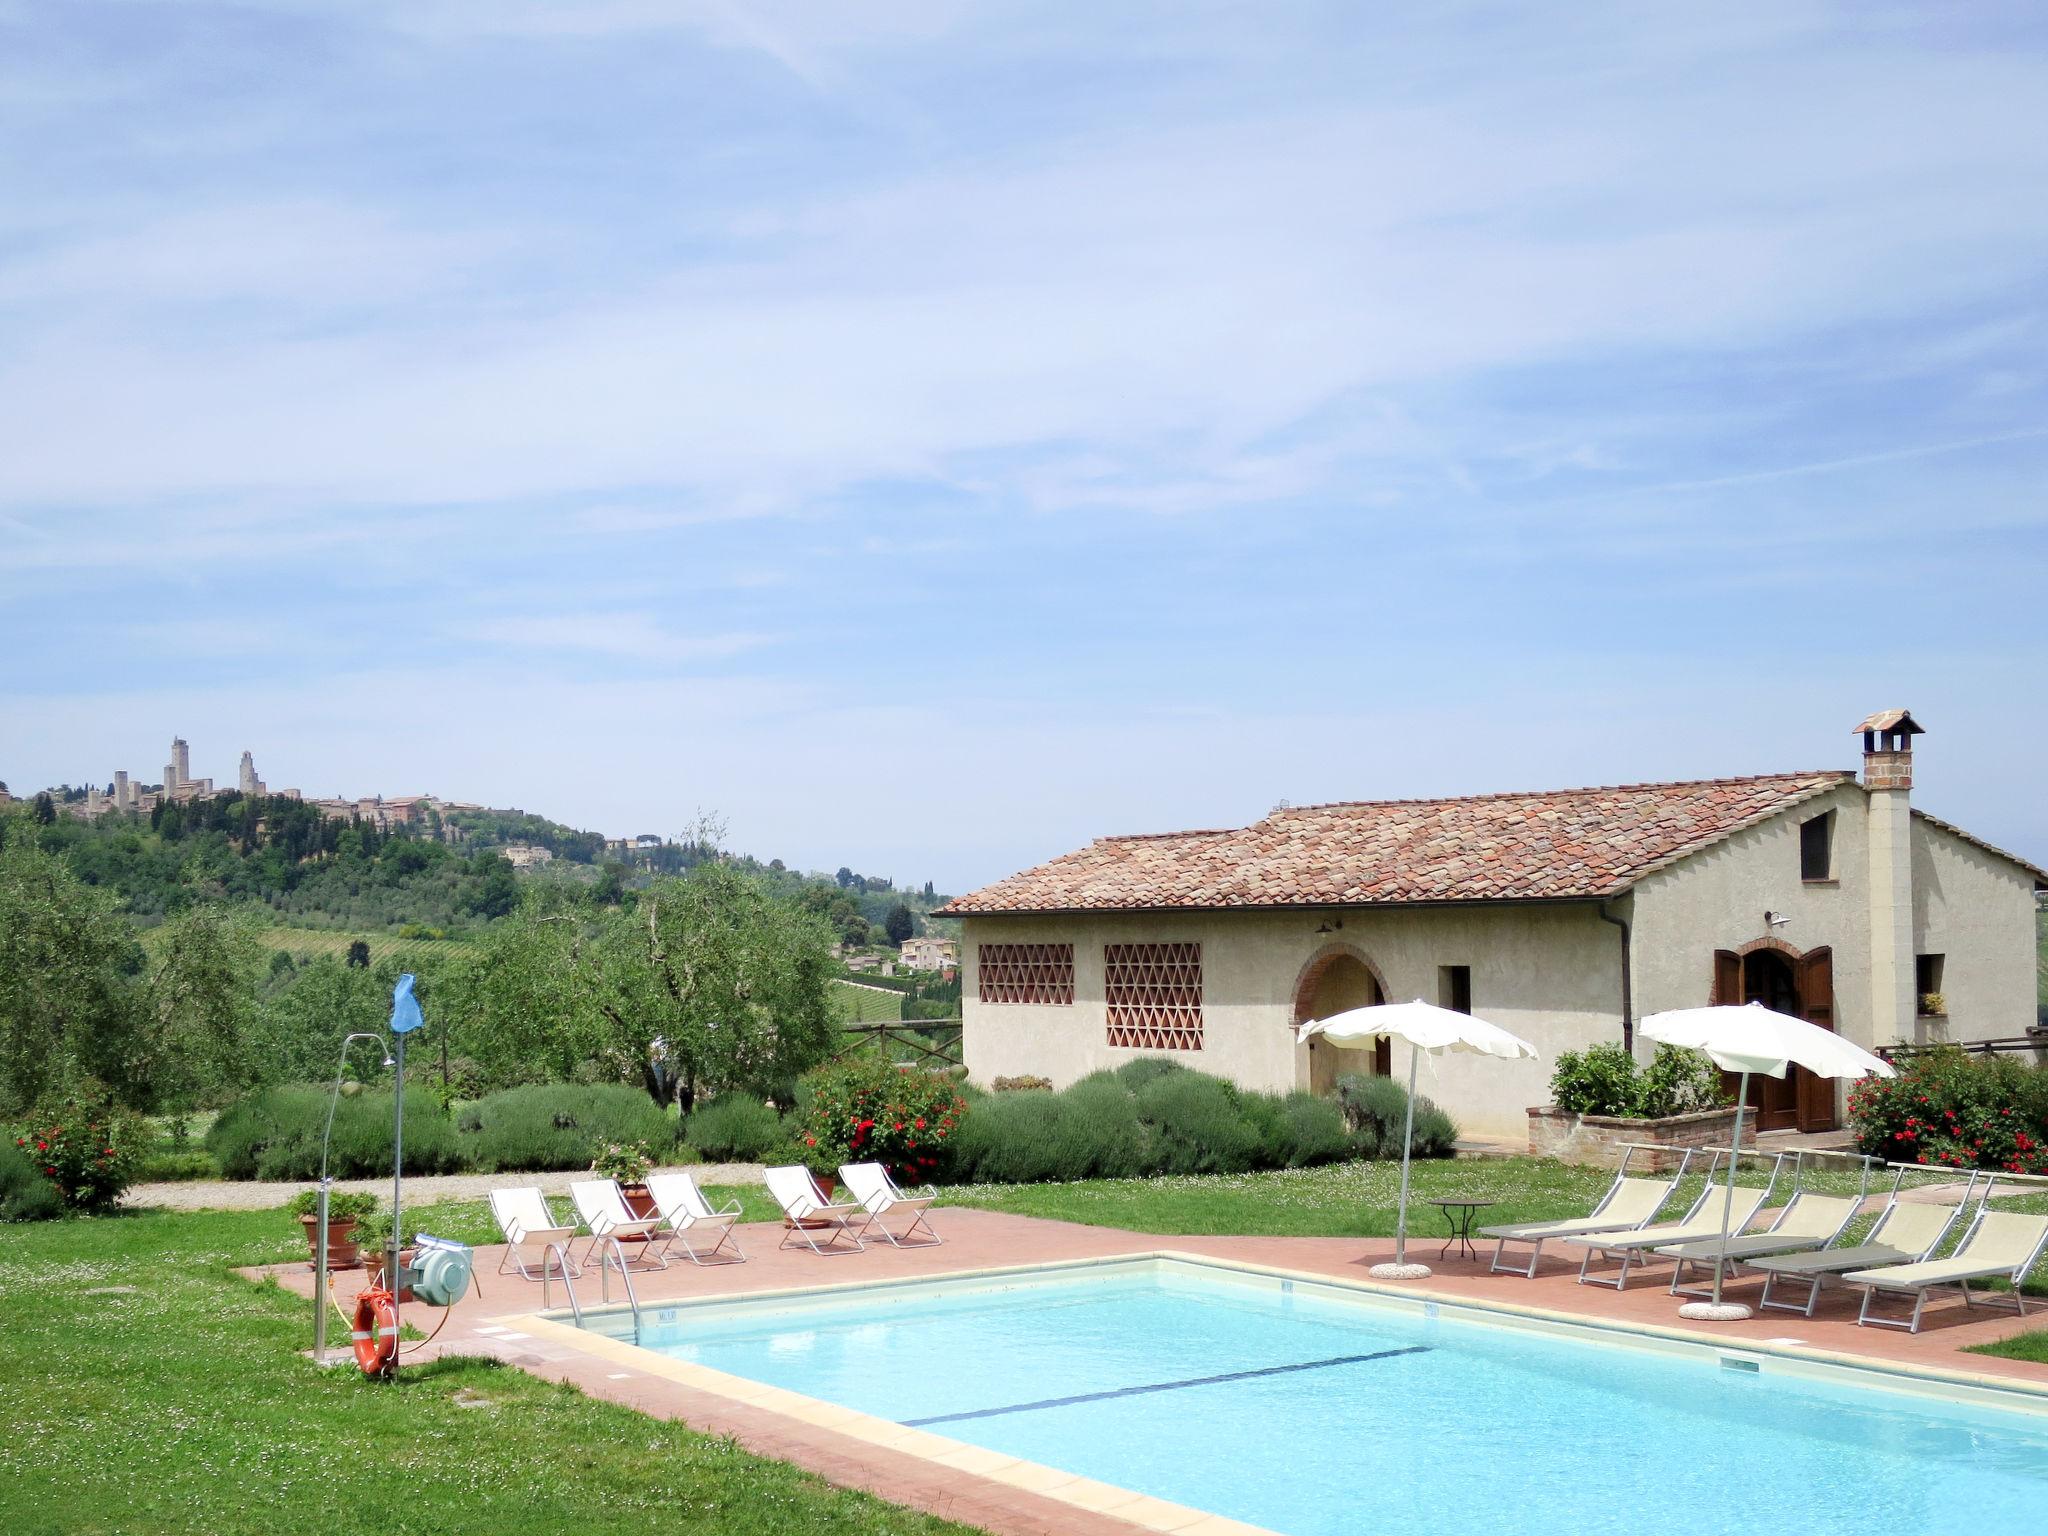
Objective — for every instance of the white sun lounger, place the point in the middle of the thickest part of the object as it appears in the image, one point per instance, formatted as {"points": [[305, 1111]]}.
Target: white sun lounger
{"points": [[1705, 1220], [808, 1212], [870, 1184], [2000, 1245], [1906, 1231], [1628, 1204], [604, 1212], [523, 1216], [684, 1208], [1808, 1220]]}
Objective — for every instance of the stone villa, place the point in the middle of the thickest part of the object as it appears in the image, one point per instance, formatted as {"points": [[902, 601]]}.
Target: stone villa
{"points": [[1562, 916]]}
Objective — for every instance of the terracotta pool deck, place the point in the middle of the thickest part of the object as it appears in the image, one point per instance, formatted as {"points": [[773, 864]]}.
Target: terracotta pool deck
{"points": [[1014, 1501]]}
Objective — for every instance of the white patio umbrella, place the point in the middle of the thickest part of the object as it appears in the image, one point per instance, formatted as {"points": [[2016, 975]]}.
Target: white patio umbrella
{"points": [[1751, 1038], [1425, 1028]]}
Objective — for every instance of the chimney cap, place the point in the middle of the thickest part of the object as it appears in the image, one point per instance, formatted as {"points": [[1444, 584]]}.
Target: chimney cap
{"points": [[1897, 721]]}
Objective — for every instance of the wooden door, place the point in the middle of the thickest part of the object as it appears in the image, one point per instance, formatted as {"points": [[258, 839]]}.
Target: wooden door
{"points": [[1814, 974]]}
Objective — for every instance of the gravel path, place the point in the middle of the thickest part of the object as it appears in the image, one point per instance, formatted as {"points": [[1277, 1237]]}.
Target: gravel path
{"points": [[255, 1195]]}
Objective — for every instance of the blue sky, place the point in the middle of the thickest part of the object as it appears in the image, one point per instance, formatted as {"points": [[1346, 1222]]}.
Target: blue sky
{"points": [[932, 435]]}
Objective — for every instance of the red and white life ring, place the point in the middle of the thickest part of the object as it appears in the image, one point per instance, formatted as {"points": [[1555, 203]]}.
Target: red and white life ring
{"points": [[376, 1332]]}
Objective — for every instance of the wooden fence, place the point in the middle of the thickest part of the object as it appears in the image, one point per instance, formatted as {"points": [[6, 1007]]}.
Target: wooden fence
{"points": [[930, 1042]]}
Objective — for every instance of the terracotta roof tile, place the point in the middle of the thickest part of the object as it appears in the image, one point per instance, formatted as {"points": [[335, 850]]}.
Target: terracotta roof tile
{"points": [[1560, 845]]}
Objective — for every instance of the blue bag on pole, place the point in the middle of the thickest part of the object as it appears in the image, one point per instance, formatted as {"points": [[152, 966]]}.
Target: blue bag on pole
{"points": [[405, 1011]]}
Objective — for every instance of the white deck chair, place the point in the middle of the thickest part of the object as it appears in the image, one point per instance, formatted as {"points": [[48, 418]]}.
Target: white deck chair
{"points": [[523, 1216], [1906, 1232], [870, 1184], [604, 1212], [1808, 1220], [684, 1208], [804, 1203], [1699, 1224], [1628, 1204], [2000, 1245]]}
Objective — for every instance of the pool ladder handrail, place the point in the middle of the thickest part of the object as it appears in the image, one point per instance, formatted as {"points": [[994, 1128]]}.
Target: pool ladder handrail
{"points": [[609, 1253]]}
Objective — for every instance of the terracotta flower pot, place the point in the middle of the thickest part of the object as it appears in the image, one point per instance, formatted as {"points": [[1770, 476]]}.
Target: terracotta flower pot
{"points": [[342, 1252], [639, 1201]]}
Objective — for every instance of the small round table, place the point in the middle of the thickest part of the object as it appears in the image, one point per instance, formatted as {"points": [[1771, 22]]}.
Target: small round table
{"points": [[1459, 1214]]}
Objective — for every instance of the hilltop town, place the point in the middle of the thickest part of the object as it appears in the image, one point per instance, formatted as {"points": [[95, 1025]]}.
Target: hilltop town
{"points": [[124, 793]]}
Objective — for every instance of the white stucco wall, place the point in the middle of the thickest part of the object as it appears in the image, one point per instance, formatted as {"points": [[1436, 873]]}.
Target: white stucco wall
{"points": [[1975, 910], [1717, 899], [1549, 973]]}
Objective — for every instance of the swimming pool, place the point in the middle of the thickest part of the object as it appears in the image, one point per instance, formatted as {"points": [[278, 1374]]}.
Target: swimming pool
{"points": [[1313, 1409]]}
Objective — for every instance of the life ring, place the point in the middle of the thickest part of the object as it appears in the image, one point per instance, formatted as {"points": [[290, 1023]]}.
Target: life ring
{"points": [[376, 1332]]}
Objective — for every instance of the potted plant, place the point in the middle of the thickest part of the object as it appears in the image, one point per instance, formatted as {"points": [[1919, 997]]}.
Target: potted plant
{"points": [[373, 1236], [1933, 1005], [345, 1215], [627, 1163]]}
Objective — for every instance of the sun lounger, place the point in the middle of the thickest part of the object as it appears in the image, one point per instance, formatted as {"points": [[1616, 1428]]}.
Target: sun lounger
{"points": [[2000, 1245], [870, 1184], [807, 1212], [1712, 1214], [1628, 1204], [1905, 1232], [684, 1208], [523, 1216], [604, 1212], [1808, 1220]]}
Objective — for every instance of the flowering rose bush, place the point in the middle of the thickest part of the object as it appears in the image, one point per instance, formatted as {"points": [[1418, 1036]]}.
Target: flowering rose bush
{"points": [[1948, 1109], [86, 1146], [868, 1111]]}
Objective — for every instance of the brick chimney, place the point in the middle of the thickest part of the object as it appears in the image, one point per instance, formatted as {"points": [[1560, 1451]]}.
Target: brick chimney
{"points": [[1888, 781]]}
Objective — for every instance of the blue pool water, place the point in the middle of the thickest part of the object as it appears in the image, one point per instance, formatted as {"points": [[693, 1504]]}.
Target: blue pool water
{"points": [[1315, 1414]]}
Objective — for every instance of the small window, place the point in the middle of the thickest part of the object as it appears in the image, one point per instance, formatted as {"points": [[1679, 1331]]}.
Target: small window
{"points": [[1927, 984], [1454, 987], [1817, 848]]}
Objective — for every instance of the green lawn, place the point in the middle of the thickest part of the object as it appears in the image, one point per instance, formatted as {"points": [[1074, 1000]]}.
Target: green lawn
{"points": [[2025, 1346], [182, 1405], [853, 1003]]}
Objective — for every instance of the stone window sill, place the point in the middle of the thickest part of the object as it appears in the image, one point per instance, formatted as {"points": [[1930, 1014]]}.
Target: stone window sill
{"points": [[1831, 881]]}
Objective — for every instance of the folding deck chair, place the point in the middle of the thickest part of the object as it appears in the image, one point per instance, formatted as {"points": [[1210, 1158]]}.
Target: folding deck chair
{"points": [[1628, 1204], [1999, 1245], [808, 1212], [1718, 1210], [1808, 1220], [604, 1212], [684, 1208], [523, 1216], [1906, 1231], [870, 1184]]}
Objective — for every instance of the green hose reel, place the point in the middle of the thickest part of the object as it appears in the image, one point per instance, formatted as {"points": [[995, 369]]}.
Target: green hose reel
{"points": [[440, 1272]]}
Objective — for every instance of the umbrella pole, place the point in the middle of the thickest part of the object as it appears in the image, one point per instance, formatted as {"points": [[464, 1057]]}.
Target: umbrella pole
{"points": [[1728, 1199], [1407, 1150]]}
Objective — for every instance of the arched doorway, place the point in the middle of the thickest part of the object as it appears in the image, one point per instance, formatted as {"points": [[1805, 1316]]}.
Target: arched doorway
{"points": [[1780, 977], [1335, 979]]}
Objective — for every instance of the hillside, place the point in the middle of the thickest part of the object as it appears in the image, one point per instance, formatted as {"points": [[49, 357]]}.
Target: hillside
{"points": [[315, 875]]}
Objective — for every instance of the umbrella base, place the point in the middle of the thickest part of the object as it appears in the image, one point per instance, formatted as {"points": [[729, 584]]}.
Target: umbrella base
{"points": [[1714, 1311], [1399, 1271]]}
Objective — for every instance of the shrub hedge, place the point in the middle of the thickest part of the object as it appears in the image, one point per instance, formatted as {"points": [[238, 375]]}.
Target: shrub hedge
{"points": [[275, 1134], [26, 1193], [1604, 1080], [734, 1128], [557, 1125], [1154, 1116], [86, 1146], [864, 1109], [1949, 1109], [1376, 1108]]}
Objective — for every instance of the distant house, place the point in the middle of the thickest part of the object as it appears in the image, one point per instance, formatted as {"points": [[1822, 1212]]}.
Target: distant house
{"points": [[527, 855], [929, 953], [1563, 916]]}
